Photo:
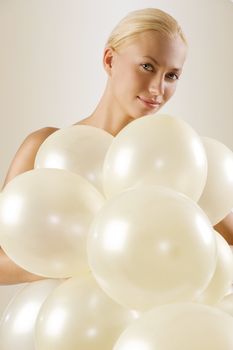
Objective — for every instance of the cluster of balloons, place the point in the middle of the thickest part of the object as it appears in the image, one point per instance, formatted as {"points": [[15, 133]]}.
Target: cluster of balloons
{"points": [[122, 228]]}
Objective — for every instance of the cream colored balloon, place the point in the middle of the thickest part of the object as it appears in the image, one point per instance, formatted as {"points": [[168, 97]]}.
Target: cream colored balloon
{"points": [[80, 148], [79, 315], [151, 245], [156, 150], [18, 320], [223, 276], [217, 197], [183, 326], [45, 215], [226, 304]]}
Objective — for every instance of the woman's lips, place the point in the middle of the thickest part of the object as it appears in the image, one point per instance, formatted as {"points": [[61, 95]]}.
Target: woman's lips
{"points": [[151, 104]]}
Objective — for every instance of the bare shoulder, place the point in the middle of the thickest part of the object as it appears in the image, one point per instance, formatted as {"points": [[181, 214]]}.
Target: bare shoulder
{"points": [[25, 156], [40, 134], [33, 141]]}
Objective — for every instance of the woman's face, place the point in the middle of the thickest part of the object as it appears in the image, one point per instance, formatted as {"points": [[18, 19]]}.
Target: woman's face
{"points": [[144, 73]]}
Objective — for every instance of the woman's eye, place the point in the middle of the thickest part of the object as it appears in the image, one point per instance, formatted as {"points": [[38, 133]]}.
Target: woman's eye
{"points": [[172, 76], [147, 67]]}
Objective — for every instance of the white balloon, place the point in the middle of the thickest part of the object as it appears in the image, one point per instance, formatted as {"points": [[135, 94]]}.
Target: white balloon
{"points": [[183, 326], [217, 197], [223, 276], [226, 304], [79, 315], [156, 150], [151, 245], [6, 294], [79, 148], [45, 216], [19, 318]]}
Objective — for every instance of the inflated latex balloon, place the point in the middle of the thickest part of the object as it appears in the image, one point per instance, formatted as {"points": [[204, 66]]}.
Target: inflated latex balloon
{"points": [[226, 304], [80, 148], [45, 215], [18, 321], [182, 326], [151, 245], [79, 315], [7, 292], [223, 277], [156, 150], [217, 196]]}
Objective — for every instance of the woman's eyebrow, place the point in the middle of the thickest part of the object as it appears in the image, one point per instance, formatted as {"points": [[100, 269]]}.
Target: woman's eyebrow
{"points": [[156, 62]]}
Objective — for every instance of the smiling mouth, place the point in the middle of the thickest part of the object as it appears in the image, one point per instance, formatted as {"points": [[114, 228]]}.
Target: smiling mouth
{"points": [[149, 103]]}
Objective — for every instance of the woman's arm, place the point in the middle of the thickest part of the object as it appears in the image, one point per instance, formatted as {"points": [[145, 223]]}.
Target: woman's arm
{"points": [[23, 161], [10, 273]]}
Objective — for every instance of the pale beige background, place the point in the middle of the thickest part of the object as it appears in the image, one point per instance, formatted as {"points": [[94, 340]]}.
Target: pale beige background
{"points": [[51, 72]]}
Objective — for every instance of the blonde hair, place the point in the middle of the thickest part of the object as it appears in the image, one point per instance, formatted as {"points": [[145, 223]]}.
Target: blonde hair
{"points": [[143, 20]]}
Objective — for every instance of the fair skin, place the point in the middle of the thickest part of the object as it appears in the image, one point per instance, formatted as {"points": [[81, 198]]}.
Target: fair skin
{"points": [[142, 77]]}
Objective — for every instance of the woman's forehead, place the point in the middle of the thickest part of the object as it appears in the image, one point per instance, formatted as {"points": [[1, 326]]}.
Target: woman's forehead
{"points": [[165, 50]]}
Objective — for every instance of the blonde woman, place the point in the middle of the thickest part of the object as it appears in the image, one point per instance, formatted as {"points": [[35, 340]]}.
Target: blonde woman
{"points": [[143, 59]]}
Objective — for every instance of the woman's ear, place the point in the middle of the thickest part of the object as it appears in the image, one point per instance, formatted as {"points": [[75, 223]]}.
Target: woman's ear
{"points": [[108, 59]]}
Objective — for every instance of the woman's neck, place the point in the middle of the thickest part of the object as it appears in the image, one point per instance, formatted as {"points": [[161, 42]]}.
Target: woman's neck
{"points": [[107, 115]]}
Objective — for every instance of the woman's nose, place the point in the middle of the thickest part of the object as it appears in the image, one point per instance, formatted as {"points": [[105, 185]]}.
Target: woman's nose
{"points": [[157, 86]]}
